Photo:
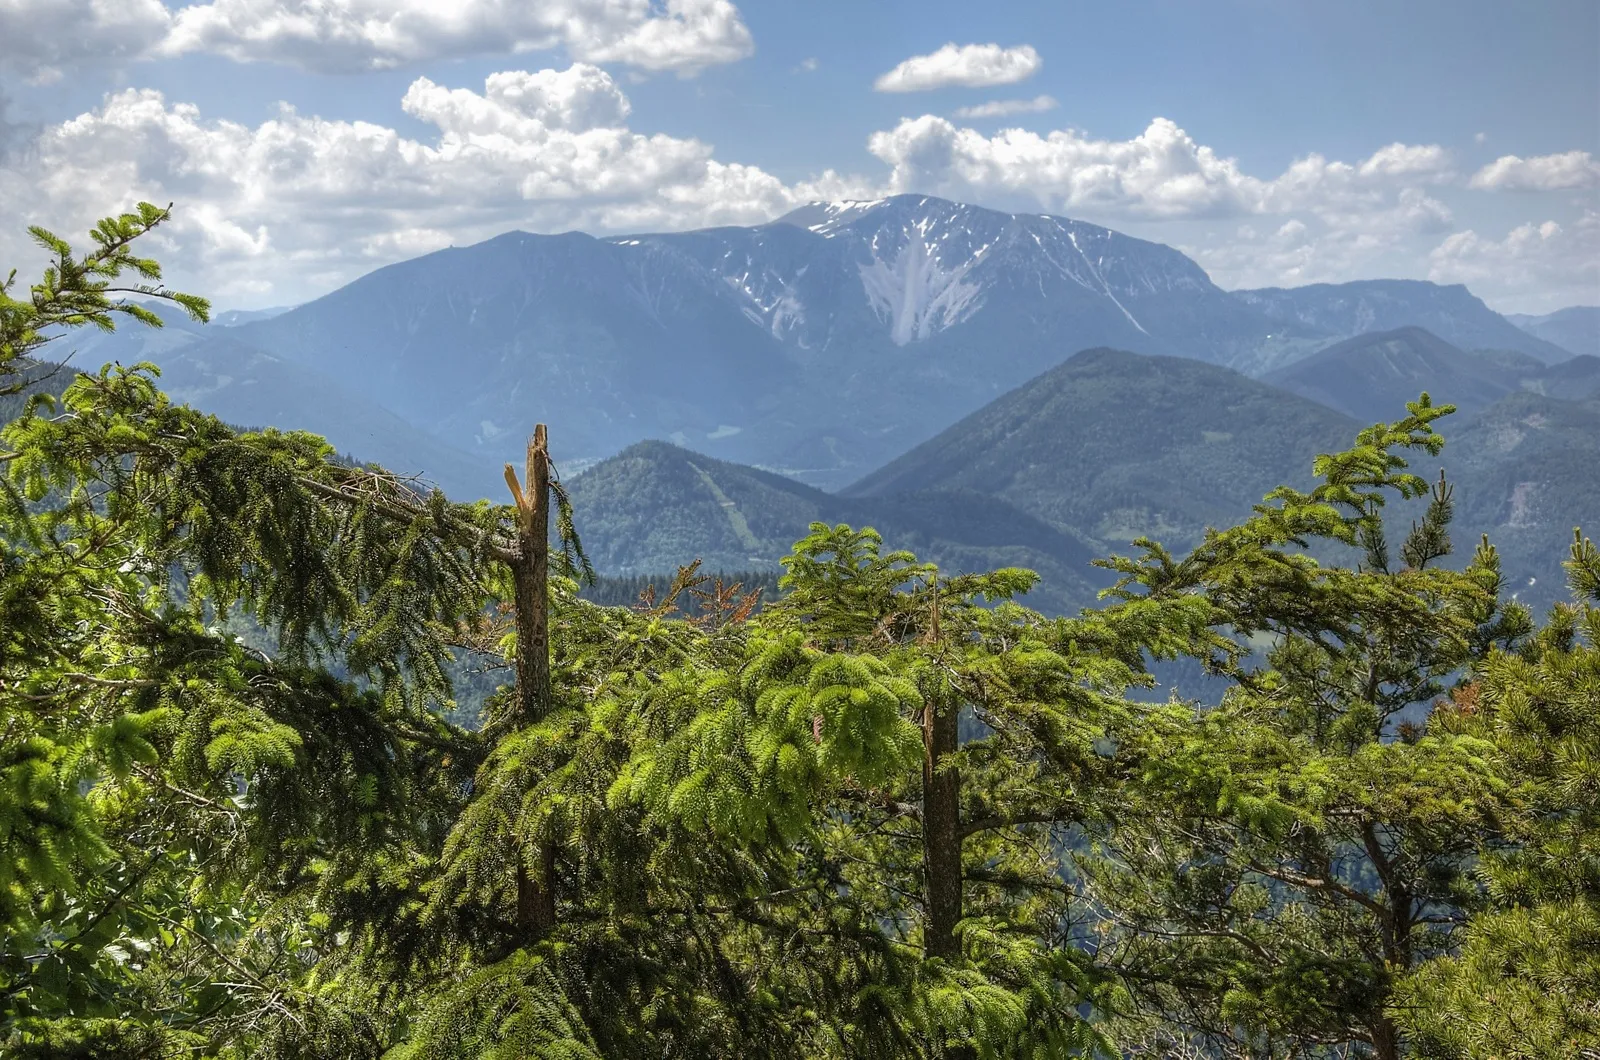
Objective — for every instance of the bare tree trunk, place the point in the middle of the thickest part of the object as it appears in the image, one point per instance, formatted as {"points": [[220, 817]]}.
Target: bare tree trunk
{"points": [[941, 838], [941, 814], [530, 575]]}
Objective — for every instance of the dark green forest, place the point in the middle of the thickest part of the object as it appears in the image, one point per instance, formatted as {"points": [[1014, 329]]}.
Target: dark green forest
{"points": [[871, 809]]}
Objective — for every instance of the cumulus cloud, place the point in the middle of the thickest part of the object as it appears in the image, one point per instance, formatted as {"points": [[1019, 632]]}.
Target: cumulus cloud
{"points": [[518, 104], [1535, 267], [1162, 173], [40, 37], [969, 65], [1005, 108], [1426, 161], [298, 204], [1572, 169], [1317, 219]]}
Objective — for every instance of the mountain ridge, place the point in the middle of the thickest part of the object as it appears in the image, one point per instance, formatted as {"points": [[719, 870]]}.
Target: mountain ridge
{"points": [[821, 350], [1575, 328], [1370, 376]]}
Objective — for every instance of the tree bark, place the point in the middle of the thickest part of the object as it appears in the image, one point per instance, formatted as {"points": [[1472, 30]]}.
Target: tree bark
{"points": [[530, 576], [1395, 925], [1385, 1039], [941, 835]]}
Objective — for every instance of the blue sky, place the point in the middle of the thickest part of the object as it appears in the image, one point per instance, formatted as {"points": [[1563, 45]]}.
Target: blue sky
{"points": [[1276, 142]]}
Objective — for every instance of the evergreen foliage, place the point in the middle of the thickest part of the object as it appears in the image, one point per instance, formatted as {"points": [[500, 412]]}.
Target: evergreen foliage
{"points": [[881, 811], [1525, 980]]}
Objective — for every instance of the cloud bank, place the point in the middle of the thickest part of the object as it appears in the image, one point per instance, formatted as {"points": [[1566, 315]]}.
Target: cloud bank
{"points": [[298, 204], [1573, 169], [39, 38]]}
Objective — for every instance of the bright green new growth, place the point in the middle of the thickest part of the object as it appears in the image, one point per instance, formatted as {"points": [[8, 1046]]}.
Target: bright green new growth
{"points": [[894, 813]]}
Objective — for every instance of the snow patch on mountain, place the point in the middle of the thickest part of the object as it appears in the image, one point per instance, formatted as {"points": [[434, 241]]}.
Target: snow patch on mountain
{"points": [[1105, 288], [916, 293], [770, 300], [826, 218]]}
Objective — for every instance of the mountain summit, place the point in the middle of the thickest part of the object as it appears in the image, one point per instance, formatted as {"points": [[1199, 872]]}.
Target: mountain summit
{"points": [[820, 345]]}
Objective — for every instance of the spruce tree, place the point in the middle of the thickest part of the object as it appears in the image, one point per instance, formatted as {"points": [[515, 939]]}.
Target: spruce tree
{"points": [[1524, 980], [1285, 857]]}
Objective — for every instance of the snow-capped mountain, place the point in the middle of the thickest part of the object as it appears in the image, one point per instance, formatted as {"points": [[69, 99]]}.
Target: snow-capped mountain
{"points": [[910, 268], [820, 344]]}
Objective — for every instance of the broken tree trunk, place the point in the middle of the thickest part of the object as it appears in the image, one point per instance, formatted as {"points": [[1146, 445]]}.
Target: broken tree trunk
{"points": [[530, 575]]}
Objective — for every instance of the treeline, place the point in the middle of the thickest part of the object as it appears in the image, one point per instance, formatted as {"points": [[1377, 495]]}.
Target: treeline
{"points": [[886, 812]]}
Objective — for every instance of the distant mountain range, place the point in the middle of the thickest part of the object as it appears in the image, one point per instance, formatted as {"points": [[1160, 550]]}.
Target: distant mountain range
{"points": [[208, 367], [920, 359], [1344, 310], [1576, 328], [1112, 445], [821, 345], [1371, 376]]}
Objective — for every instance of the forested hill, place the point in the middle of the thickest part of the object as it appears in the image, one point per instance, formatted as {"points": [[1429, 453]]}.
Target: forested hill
{"points": [[656, 506], [1112, 445], [1371, 375], [1117, 445]]}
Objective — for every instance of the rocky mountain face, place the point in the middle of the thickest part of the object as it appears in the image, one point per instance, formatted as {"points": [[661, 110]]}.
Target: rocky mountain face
{"points": [[820, 345]]}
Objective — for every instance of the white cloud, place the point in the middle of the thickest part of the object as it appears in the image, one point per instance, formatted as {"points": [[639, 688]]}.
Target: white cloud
{"points": [[39, 37], [298, 204], [807, 65], [1161, 173], [1004, 108], [1424, 161], [689, 35], [1480, 137], [1572, 169], [969, 65], [1326, 247], [516, 103], [1329, 219], [1535, 268]]}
